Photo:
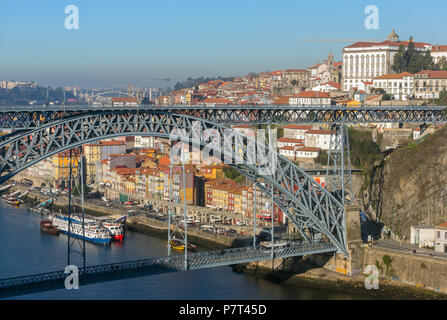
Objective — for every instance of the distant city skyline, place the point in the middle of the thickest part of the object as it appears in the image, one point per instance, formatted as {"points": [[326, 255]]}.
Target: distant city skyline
{"points": [[130, 42]]}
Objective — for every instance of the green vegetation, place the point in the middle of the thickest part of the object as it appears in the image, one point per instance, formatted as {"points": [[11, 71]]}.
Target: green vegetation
{"points": [[322, 158], [230, 173], [77, 190], [364, 151], [442, 64], [385, 96], [409, 60], [233, 174], [442, 101], [385, 267]]}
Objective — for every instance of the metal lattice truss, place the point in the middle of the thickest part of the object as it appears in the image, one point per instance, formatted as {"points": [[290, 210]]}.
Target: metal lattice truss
{"points": [[121, 270], [27, 117], [338, 174], [305, 202]]}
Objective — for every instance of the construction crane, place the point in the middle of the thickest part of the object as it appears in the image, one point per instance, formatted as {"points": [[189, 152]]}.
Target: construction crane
{"points": [[129, 87]]}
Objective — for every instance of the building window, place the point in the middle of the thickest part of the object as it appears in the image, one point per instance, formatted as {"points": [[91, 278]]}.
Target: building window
{"points": [[438, 234]]}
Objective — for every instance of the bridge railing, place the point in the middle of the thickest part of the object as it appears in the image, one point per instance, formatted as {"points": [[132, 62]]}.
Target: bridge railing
{"points": [[176, 262]]}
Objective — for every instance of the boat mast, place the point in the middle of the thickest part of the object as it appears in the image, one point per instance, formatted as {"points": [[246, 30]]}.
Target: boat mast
{"points": [[81, 158], [69, 209]]}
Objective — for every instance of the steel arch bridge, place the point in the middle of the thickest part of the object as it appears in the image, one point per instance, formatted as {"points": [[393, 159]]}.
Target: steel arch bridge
{"points": [[38, 133], [27, 117], [312, 208], [120, 92]]}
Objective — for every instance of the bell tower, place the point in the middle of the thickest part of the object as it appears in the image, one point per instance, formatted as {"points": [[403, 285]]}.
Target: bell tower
{"points": [[393, 36]]}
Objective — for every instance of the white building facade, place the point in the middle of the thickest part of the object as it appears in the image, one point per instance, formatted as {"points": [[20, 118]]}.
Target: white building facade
{"points": [[441, 238], [423, 236], [364, 61], [320, 139], [399, 86]]}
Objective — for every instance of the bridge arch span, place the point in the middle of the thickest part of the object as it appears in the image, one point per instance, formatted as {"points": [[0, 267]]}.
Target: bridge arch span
{"points": [[305, 202]]}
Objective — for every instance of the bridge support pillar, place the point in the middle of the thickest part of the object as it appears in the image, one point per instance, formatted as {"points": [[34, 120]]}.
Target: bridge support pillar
{"points": [[353, 264]]}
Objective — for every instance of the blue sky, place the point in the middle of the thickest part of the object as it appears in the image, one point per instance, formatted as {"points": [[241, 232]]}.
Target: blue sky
{"points": [[134, 41]]}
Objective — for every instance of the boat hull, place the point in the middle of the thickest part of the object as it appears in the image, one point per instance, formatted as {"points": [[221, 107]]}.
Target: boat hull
{"points": [[93, 240], [118, 237]]}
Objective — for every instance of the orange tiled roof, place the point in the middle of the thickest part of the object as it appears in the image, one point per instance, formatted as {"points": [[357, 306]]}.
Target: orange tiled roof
{"points": [[314, 94], [439, 48], [386, 43], [319, 132], [395, 76], [435, 74]]}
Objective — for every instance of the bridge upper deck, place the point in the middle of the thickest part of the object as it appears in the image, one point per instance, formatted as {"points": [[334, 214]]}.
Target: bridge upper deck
{"points": [[27, 117]]}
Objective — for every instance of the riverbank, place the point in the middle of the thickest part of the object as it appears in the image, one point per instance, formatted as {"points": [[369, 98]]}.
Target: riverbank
{"points": [[309, 276]]}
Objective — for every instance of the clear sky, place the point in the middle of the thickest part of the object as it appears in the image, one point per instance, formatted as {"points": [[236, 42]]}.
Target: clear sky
{"points": [[136, 40]]}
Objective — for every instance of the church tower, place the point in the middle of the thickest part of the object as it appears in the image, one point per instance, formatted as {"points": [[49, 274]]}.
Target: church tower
{"points": [[393, 37]]}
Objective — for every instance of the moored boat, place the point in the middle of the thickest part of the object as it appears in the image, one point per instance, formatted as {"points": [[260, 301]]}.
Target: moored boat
{"points": [[115, 227], [45, 203], [47, 227], [180, 245], [91, 231]]}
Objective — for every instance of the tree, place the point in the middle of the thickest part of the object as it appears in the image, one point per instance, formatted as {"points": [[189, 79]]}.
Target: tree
{"points": [[399, 62], [77, 190], [409, 60], [386, 97], [322, 158], [442, 101], [442, 64]]}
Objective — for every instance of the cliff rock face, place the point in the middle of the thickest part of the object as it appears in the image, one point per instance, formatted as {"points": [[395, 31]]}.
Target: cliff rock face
{"points": [[415, 185]]}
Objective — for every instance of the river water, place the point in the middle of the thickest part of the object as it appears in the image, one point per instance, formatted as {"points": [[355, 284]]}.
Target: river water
{"points": [[25, 250]]}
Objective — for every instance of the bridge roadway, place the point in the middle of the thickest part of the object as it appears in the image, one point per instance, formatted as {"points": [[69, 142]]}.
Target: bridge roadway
{"points": [[31, 117], [123, 270]]}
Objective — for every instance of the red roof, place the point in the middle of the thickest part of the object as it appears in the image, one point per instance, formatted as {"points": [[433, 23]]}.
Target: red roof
{"points": [[314, 94], [296, 70], [395, 76], [333, 84], [112, 143], [435, 74], [439, 48], [309, 149], [298, 127], [217, 100], [286, 140], [387, 43], [287, 148], [319, 132]]}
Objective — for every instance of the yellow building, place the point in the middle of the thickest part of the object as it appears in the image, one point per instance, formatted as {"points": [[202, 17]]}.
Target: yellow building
{"points": [[61, 166], [213, 171], [92, 154], [354, 104], [238, 200], [220, 197]]}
